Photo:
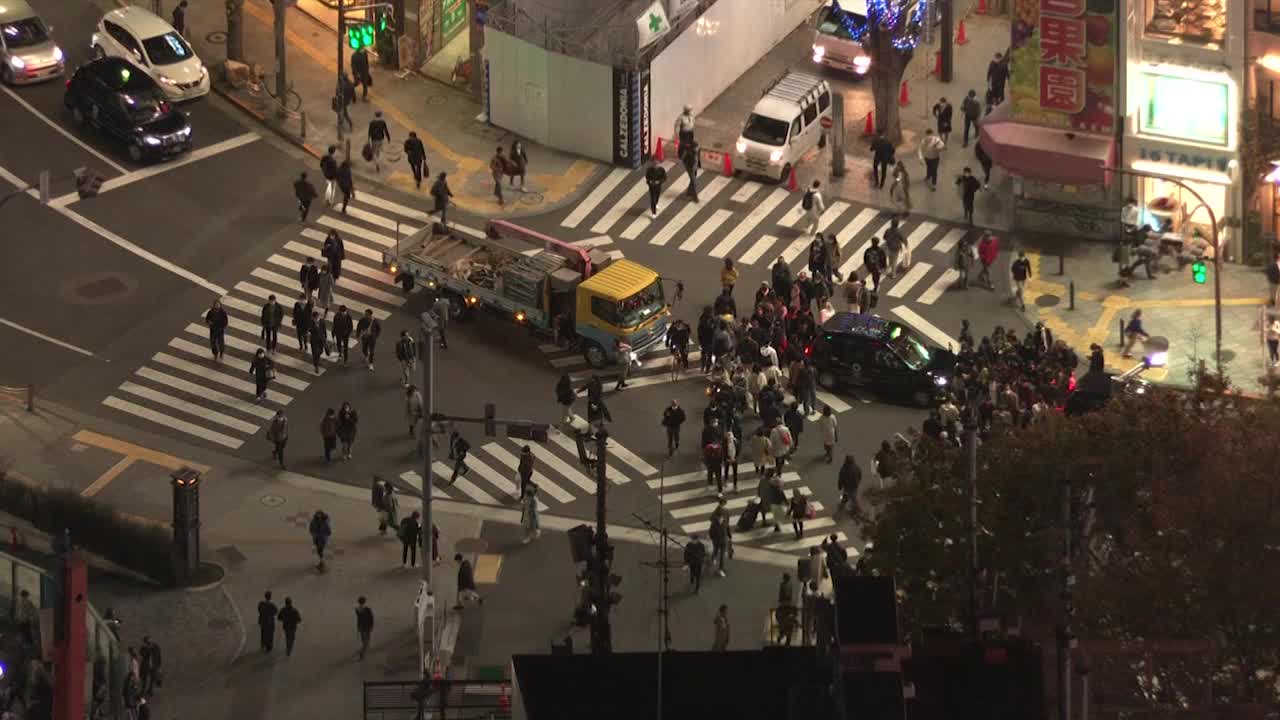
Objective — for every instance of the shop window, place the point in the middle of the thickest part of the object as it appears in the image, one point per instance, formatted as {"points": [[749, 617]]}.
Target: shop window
{"points": [[1203, 22], [1193, 108], [1170, 208], [1266, 16]]}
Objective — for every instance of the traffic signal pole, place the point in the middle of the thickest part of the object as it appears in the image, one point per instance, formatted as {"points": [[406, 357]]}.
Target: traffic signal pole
{"points": [[338, 99], [601, 631], [282, 85], [427, 328]]}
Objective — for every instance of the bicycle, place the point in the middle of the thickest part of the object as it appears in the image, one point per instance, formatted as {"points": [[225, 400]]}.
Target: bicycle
{"points": [[262, 83]]}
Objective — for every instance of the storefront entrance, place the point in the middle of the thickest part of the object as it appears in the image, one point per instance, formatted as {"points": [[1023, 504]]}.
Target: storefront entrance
{"points": [[449, 52]]}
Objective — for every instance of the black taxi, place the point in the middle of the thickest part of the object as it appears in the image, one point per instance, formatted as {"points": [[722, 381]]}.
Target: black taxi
{"points": [[887, 357]]}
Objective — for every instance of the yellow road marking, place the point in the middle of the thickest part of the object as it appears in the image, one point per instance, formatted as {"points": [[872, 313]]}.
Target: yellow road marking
{"points": [[137, 452], [487, 568], [105, 478]]}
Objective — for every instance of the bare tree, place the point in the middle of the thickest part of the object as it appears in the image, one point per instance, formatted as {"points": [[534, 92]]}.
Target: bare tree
{"points": [[235, 30]]}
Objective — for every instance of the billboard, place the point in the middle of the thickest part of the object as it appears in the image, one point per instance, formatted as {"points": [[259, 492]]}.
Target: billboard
{"points": [[1062, 64]]}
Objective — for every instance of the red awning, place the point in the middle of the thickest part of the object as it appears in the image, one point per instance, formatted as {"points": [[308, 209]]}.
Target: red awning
{"points": [[1050, 154]]}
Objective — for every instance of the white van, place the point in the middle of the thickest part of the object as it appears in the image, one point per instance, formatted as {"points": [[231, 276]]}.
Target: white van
{"points": [[784, 125], [833, 45]]}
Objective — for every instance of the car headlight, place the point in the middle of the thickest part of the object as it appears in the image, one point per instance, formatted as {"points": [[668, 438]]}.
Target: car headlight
{"points": [[166, 80], [775, 156], [939, 381], [57, 54], [741, 146], [818, 53], [184, 132], [204, 72], [17, 62], [151, 139]]}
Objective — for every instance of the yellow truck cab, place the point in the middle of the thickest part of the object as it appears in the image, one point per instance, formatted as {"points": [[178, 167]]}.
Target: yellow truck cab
{"points": [[625, 302]]}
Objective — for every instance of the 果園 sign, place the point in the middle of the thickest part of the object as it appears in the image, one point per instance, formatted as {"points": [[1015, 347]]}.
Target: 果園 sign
{"points": [[1062, 64]]}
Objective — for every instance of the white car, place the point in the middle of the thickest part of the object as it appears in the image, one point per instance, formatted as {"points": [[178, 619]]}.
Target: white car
{"points": [[156, 48]]}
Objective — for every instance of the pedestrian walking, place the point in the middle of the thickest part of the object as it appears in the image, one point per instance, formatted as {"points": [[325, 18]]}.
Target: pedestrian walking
{"points": [[1273, 281], [732, 449], [442, 307], [334, 251], [345, 98], [151, 669], [969, 187], [324, 288], [390, 508], [893, 244], [379, 134], [966, 254], [985, 161], [318, 337], [416, 154], [1020, 271], [262, 370], [814, 205], [348, 425], [329, 171], [308, 277], [847, 482], [519, 162], [900, 189], [794, 420], [345, 183], [329, 433], [342, 332], [673, 418], [360, 71], [524, 469], [290, 619], [625, 358], [988, 250], [271, 318], [971, 110], [942, 113], [409, 533], [565, 397], [876, 261], [458, 449], [828, 427], [761, 451], [728, 276], [799, 510], [216, 319], [278, 436], [930, 152], [1273, 342], [364, 624], [180, 18], [529, 514], [413, 413], [267, 612], [1133, 332], [882, 159], [301, 316], [721, 533], [720, 641], [467, 594], [713, 453], [368, 330], [498, 165], [306, 193], [654, 177], [407, 354], [441, 193], [997, 75], [695, 556], [320, 530], [684, 126], [690, 157]]}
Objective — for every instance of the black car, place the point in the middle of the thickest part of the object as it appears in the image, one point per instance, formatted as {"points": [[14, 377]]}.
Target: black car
{"points": [[127, 104], [854, 350]]}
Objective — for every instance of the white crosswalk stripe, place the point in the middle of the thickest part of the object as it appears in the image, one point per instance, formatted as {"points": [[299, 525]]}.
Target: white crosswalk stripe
{"points": [[710, 225], [909, 279], [589, 203], [928, 329], [665, 199], [414, 480], [496, 478], [760, 247], [345, 283], [752, 220], [463, 485], [349, 229], [949, 240], [377, 275], [171, 422], [620, 208], [187, 407], [939, 286], [200, 391], [682, 218]]}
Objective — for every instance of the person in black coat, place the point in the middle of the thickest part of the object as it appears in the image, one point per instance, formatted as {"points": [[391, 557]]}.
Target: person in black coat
{"points": [[216, 319], [441, 193], [317, 333], [672, 418], [565, 395], [368, 330], [342, 326], [794, 420], [345, 183], [360, 72], [329, 170], [272, 318], [267, 612], [678, 340], [290, 619], [334, 252], [416, 154], [848, 480], [706, 333], [309, 277], [261, 368], [302, 309], [882, 158], [305, 192]]}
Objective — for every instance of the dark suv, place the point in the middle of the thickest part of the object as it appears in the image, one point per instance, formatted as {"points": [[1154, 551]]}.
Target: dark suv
{"points": [[115, 96], [882, 355]]}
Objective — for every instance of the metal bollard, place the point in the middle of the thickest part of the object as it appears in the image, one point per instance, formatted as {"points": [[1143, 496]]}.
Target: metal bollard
{"points": [[1071, 295], [302, 121], [31, 398], [1121, 321], [1061, 264]]}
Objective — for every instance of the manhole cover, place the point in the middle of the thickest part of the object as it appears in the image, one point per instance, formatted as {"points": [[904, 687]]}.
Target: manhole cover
{"points": [[1047, 301], [437, 100], [272, 500], [97, 288], [531, 198], [471, 545], [101, 287], [217, 37], [1227, 356], [79, 448], [1157, 343]]}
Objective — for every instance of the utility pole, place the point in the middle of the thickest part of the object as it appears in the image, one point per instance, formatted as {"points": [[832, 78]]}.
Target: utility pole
{"points": [[1066, 638], [971, 453], [282, 86], [948, 38], [601, 632], [338, 100], [428, 325]]}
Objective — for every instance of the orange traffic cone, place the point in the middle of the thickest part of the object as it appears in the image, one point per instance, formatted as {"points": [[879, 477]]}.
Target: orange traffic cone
{"points": [[870, 128], [504, 700], [961, 36], [791, 182], [982, 7], [937, 64], [903, 97], [657, 152], [728, 165]]}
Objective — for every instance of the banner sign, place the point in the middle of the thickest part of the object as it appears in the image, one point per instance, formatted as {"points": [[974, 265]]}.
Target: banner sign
{"points": [[652, 25], [632, 127], [1062, 64]]}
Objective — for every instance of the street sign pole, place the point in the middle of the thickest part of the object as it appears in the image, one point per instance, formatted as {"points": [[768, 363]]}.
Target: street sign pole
{"points": [[427, 326], [282, 85], [338, 99], [601, 632]]}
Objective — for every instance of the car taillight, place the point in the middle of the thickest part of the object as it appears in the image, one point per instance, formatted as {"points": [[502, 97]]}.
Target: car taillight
{"points": [[808, 350]]}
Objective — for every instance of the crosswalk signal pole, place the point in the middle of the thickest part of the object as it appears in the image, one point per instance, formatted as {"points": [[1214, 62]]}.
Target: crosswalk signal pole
{"points": [[601, 632], [338, 99], [427, 328]]}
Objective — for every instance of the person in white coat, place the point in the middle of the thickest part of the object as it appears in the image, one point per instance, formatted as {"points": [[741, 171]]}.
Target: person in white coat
{"points": [[760, 451], [827, 427], [814, 205], [683, 130], [529, 513]]}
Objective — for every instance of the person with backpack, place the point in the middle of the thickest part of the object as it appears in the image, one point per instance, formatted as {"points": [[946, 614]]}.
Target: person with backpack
{"points": [[329, 171], [695, 556], [655, 176], [971, 111], [320, 530], [713, 453], [407, 354], [441, 193], [458, 449], [368, 330], [876, 262], [673, 418], [814, 205]]}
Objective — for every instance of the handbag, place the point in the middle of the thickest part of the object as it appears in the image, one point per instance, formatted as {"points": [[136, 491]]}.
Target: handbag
{"points": [[366, 152]]}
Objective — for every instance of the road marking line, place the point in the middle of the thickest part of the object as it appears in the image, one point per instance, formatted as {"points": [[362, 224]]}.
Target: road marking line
{"points": [[467, 487], [908, 281], [496, 479], [414, 480], [752, 220], [731, 503], [593, 242], [107, 477], [352, 248], [189, 408], [590, 202], [356, 230], [63, 131], [764, 243], [663, 484], [949, 240], [665, 200], [704, 230], [572, 474], [232, 302], [218, 377], [191, 388], [854, 226], [503, 456], [198, 351], [635, 462], [145, 454], [381, 296], [249, 329], [160, 168], [250, 349], [369, 198], [283, 282], [939, 286], [690, 209], [796, 247], [621, 207], [804, 543], [912, 318], [46, 338], [404, 228], [171, 422], [376, 274], [837, 405], [920, 234], [746, 191], [611, 472]]}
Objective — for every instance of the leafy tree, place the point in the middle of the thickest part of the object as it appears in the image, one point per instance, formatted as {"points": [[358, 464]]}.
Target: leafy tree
{"points": [[889, 35], [1177, 499]]}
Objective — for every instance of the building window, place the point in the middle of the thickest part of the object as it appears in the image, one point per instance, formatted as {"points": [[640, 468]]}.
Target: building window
{"points": [[1171, 209], [1266, 15], [1195, 109], [1203, 22]]}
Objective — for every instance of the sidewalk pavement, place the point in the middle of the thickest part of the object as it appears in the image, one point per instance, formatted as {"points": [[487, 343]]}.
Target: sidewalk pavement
{"points": [[719, 124], [1178, 313], [255, 527], [444, 117]]}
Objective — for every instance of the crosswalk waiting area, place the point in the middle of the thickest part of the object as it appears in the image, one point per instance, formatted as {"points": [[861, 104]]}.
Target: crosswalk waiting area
{"points": [[755, 223], [183, 389]]}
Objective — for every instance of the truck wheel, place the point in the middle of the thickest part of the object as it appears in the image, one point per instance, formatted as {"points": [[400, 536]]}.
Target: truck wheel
{"points": [[786, 173], [827, 380], [405, 281], [457, 307], [595, 355], [921, 398]]}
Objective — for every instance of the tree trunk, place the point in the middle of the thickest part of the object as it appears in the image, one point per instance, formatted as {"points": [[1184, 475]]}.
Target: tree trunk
{"points": [[235, 30], [888, 64]]}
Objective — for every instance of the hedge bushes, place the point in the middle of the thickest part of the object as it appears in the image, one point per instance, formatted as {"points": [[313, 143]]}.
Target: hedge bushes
{"points": [[96, 527]]}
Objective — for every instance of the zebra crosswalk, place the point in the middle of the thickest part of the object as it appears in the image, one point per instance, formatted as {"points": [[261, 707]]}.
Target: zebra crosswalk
{"points": [[183, 389], [752, 224]]}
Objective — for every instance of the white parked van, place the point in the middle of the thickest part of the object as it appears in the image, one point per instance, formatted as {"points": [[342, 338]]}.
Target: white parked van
{"points": [[784, 125], [833, 45]]}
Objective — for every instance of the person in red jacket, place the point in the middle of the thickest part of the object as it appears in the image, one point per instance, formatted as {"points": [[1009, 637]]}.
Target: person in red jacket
{"points": [[988, 249]]}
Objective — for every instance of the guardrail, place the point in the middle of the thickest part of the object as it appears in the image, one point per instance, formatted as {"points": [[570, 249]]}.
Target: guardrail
{"points": [[446, 700], [25, 394]]}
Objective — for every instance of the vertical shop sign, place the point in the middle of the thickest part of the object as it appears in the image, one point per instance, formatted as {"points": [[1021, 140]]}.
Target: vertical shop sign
{"points": [[1062, 64], [646, 123], [630, 116], [453, 17]]}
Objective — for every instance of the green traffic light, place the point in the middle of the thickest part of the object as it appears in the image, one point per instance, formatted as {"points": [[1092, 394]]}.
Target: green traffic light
{"points": [[1198, 272]]}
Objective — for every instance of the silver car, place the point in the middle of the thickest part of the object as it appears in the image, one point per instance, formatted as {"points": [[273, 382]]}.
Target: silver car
{"points": [[28, 53]]}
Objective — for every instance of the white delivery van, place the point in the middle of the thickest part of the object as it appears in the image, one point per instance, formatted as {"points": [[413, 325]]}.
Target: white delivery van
{"points": [[784, 125], [833, 45]]}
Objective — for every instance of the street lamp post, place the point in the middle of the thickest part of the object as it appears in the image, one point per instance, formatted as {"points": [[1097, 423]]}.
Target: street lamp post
{"points": [[428, 325], [338, 99], [1217, 256]]}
